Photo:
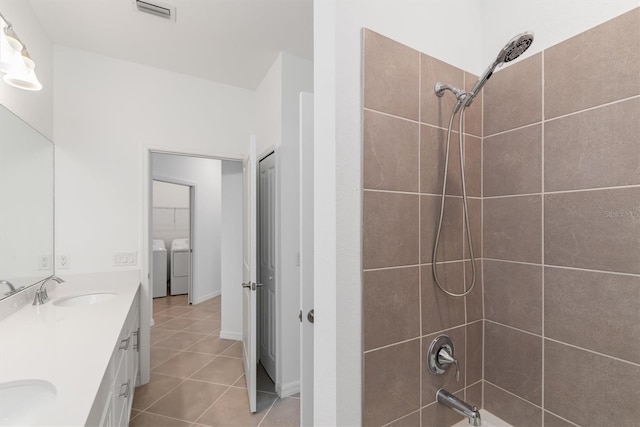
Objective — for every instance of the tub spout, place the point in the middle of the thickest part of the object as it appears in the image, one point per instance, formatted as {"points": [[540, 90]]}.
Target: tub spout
{"points": [[461, 407]]}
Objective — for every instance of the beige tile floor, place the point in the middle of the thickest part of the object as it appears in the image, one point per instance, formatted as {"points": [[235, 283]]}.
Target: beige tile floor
{"points": [[197, 378]]}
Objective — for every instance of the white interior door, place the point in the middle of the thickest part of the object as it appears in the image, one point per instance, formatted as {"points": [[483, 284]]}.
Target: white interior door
{"points": [[267, 257], [249, 274], [306, 258], [192, 216]]}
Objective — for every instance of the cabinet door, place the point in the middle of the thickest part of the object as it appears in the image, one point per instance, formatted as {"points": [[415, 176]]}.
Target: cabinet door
{"points": [[122, 390], [133, 353], [107, 415]]}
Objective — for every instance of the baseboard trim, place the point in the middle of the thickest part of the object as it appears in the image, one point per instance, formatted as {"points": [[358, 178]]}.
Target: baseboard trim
{"points": [[231, 335], [289, 389], [207, 297]]}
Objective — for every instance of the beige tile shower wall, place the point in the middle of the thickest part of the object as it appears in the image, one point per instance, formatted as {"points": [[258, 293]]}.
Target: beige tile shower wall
{"points": [[404, 141], [561, 162]]}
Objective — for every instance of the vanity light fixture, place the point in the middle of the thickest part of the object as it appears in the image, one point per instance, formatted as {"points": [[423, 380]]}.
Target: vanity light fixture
{"points": [[15, 62], [12, 37]]}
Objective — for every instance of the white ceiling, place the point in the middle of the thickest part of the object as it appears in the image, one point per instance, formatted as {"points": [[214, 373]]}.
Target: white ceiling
{"points": [[228, 41]]}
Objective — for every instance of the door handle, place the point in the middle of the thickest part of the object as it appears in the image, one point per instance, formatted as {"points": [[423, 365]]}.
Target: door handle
{"points": [[310, 316], [246, 285], [252, 285]]}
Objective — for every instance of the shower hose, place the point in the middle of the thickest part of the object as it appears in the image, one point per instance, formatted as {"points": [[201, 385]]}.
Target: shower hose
{"points": [[464, 203]]}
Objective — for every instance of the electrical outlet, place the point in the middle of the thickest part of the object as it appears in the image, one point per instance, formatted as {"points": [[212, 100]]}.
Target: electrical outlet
{"points": [[44, 262], [63, 261]]}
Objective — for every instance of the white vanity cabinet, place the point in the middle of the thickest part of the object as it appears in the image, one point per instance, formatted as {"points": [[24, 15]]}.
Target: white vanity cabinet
{"points": [[112, 405]]}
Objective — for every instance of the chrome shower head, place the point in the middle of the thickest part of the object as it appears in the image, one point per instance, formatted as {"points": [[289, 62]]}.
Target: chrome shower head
{"points": [[516, 47], [511, 51]]}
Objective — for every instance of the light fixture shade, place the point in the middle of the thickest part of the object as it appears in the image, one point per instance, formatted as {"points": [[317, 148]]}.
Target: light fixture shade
{"points": [[8, 55], [15, 62], [22, 73], [12, 38]]}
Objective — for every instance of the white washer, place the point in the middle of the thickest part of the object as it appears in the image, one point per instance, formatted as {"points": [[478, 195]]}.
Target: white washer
{"points": [[159, 269], [179, 266]]}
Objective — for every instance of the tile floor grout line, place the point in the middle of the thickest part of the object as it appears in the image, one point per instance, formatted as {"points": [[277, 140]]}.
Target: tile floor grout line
{"points": [[161, 397], [165, 416], [268, 410], [212, 403], [204, 336]]}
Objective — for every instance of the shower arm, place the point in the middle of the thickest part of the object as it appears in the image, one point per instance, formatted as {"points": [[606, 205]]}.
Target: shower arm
{"points": [[461, 95]]}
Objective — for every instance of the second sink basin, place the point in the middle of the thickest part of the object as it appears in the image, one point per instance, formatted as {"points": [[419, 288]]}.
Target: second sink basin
{"points": [[85, 299], [25, 402]]}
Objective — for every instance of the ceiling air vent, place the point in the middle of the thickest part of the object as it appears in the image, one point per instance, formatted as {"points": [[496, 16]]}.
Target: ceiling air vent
{"points": [[157, 9]]}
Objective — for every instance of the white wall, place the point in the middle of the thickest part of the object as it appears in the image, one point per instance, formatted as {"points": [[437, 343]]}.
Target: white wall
{"points": [[166, 194], [278, 126], [107, 111], [231, 327], [465, 33], [268, 107], [206, 176], [36, 108]]}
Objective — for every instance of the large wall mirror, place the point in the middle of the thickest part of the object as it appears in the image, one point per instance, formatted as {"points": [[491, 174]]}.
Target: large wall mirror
{"points": [[26, 205]]}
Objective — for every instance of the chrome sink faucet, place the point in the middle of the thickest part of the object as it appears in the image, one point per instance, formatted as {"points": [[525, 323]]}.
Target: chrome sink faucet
{"points": [[12, 289], [41, 294]]}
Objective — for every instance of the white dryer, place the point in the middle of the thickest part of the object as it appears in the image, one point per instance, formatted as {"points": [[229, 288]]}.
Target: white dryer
{"points": [[180, 263], [159, 269]]}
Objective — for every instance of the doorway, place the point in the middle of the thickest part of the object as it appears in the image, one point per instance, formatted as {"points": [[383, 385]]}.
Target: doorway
{"points": [[190, 349], [171, 233]]}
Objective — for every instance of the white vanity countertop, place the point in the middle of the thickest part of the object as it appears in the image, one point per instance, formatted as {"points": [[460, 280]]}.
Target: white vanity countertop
{"points": [[68, 346]]}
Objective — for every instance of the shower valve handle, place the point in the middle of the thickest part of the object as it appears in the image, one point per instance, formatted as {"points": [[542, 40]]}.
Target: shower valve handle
{"points": [[441, 355], [445, 358]]}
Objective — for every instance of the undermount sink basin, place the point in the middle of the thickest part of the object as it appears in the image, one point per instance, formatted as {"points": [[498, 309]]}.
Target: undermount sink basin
{"points": [[85, 299], [24, 402]]}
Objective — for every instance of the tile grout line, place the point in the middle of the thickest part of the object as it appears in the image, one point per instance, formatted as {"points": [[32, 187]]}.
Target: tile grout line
{"points": [[564, 343], [606, 104], [482, 242], [556, 415], [515, 395], [405, 416], [212, 403], [161, 397], [580, 190], [608, 356], [420, 223], [189, 378], [563, 116], [464, 264], [422, 336], [414, 193], [418, 122], [542, 179], [268, 411], [514, 328], [361, 218], [502, 132], [415, 265], [564, 267], [164, 416]]}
